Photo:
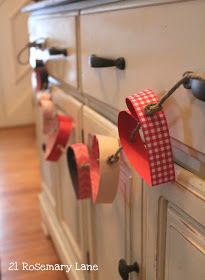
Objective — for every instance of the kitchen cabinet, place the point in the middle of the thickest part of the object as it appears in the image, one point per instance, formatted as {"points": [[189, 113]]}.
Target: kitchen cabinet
{"points": [[161, 228]]}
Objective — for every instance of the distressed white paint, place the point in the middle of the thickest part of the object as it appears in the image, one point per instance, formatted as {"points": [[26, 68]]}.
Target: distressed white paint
{"points": [[15, 87], [159, 43]]}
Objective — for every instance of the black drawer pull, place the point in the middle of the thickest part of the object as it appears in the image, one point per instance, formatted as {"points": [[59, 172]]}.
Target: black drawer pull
{"points": [[197, 86], [125, 269], [100, 62], [58, 51]]}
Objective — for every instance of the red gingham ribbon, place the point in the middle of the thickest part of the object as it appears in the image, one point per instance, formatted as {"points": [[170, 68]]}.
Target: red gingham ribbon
{"points": [[152, 158], [58, 137], [79, 166]]}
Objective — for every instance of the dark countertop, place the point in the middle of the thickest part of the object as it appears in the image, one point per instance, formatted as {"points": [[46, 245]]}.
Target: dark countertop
{"points": [[68, 4]]}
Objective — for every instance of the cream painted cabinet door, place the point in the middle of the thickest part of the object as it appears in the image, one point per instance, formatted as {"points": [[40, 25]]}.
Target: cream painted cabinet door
{"points": [[108, 224], [70, 210], [174, 229], [49, 170], [15, 80]]}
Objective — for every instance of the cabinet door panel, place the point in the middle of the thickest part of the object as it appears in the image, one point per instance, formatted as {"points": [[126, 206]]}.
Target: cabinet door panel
{"points": [[70, 210], [174, 229], [110, 240], [49, 170], [185, 247]]}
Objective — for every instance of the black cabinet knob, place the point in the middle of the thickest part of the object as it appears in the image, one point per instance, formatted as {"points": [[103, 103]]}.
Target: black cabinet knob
{"points": [[125, 269], [58, 51], [100, 62], [197, 87]]}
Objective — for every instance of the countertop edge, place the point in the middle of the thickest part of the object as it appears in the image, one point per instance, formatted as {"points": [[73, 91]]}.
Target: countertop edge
{"points": [[34, 7]]}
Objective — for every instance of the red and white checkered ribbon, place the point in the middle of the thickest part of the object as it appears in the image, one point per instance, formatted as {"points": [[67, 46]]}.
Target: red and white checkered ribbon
{"points": [[152, 158]]}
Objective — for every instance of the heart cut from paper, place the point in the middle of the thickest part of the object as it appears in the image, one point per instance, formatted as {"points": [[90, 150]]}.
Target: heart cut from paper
{"points": [[41, 96], [49, 115], [151, 156], [79, 166], [58, 137], [104, 176], [39, 79]]}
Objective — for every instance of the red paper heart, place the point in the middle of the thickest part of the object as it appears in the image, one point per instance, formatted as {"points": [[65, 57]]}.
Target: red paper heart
{"points": [[94, 174], [79, 166], [42, 96], [58, 138], [39, 78], [152, 157], [104, 176], [49, 115]]}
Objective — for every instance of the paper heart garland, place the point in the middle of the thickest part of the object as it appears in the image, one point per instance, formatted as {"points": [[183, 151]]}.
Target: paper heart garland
{"points": [[79, 166], [44, 100], [49, 115], [104, 176], [94, 174], [41, 96], [58, 137], [39, 78], [152, 157]]}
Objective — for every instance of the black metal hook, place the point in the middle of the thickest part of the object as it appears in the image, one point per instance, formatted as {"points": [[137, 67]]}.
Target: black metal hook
{"points": [[114, 158]]}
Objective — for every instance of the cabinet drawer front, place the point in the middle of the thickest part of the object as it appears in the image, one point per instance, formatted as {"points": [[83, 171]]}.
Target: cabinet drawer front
{"points": [[59, 31], [158, 47]]}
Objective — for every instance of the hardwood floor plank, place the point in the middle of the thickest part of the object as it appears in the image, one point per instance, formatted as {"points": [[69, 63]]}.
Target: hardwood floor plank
{"points": [[21, 235]]}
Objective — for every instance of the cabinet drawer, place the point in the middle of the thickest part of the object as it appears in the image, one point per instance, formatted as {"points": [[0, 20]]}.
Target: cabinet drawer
{"points": [[158, 47], [59, 31]]}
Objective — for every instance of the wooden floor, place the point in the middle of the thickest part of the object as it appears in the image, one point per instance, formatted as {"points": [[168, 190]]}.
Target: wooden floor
{"points": [[21, 236]]}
